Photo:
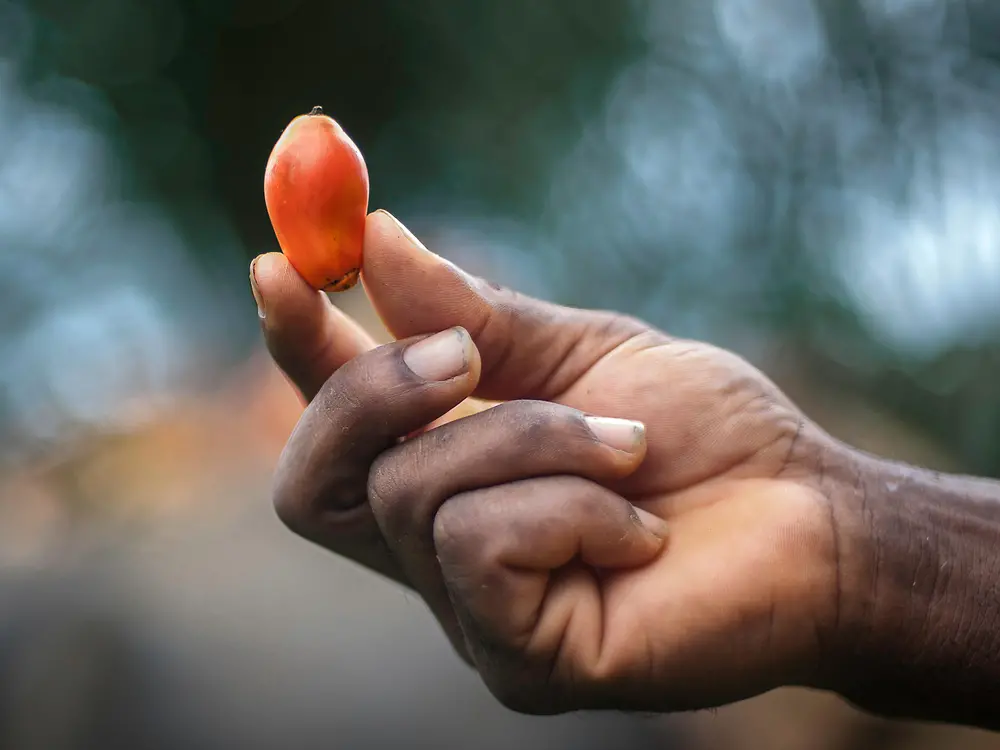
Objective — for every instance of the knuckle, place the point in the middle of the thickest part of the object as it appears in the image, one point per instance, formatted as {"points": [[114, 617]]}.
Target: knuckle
{"points": [[467, 540], [538, 425], [363, 385], [340, 387], [592, 499], [391, 495], [315, 477], [582, 499], [539, 422], [454, 535], [384, 486]]}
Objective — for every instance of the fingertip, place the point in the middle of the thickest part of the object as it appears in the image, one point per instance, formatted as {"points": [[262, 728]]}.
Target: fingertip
{"points": [[286, 302], [625, 435], [275, 277], [266, 263], [473, 357], [382, 228], [255, 289], [651, 523], [413, 290], [391, 250], [624, 441]]}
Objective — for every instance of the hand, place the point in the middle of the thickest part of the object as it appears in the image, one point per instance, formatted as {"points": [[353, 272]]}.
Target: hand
{"points": [[680, 560]]}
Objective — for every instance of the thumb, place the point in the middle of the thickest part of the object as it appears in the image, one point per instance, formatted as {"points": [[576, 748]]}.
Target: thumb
{"points": [[529, 348]]}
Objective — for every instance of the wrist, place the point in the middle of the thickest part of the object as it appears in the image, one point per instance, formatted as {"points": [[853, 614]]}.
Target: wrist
{"points": [[917, 630]]}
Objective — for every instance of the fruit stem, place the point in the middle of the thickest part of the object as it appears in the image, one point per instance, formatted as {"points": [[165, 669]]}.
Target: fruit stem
{"points": [[316, 111]]}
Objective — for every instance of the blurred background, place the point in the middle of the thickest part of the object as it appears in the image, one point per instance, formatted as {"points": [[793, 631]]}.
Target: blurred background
{"points": [[813, 183]]}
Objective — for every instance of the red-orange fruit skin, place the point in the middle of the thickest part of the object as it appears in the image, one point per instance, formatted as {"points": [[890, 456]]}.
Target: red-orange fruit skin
{"points": [[316, 192]]}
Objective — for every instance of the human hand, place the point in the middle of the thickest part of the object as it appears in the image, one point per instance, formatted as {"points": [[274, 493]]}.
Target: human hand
{"points": [[576, 563]]}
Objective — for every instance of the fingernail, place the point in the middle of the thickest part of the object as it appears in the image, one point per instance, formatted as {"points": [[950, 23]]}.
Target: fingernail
{"points": [[256, 292], [443, 356], [620, 434], [654, 524]]}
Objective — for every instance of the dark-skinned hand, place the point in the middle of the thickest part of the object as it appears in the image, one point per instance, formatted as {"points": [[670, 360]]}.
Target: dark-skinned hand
{"points": [[636, 524]]}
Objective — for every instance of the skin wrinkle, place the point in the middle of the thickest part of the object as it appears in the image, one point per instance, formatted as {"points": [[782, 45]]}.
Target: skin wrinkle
{"points": [[731, 467], [787, 461], [507, 347], [504, 307], [827, 639], [744, 409], [602, 626], [557, 652], [345, 521], [564, 367], [606, 353], [564, 676]]}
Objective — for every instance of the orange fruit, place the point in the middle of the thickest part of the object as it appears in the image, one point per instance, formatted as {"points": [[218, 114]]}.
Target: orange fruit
{"points": [[316, 192]]}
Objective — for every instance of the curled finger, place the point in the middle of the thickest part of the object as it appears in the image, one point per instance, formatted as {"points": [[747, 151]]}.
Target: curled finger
{"points": [[510, 442], [526, 566]]}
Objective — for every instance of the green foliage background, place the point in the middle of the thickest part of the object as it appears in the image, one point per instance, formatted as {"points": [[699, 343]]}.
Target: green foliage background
{"points": [[816, 176]]}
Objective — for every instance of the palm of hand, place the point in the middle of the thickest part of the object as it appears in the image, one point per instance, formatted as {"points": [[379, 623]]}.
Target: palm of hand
{"points": [[734, 583]]}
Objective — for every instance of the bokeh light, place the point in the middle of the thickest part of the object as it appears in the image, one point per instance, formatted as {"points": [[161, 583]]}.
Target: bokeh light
{"points": [[810, 182]]}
